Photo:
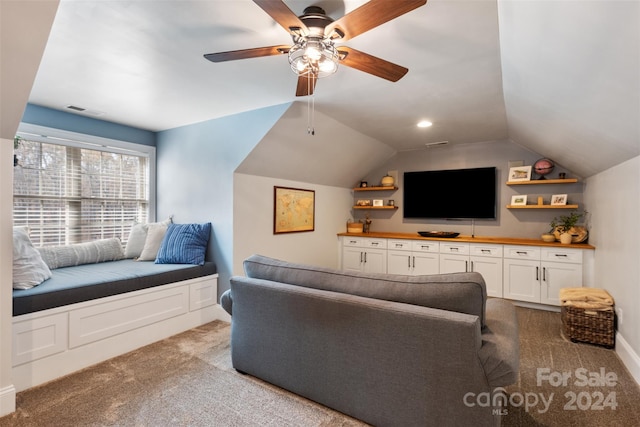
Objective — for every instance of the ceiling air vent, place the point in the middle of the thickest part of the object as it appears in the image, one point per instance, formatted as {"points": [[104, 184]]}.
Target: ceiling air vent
{"points": [[82, 110], [436, 144]]}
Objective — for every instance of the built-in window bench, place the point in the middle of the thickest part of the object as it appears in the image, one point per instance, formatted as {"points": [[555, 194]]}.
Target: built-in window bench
{"points": [[89, 313]]}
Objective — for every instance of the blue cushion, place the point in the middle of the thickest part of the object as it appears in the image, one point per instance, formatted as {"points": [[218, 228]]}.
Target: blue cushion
{"points": [[184, 244]]}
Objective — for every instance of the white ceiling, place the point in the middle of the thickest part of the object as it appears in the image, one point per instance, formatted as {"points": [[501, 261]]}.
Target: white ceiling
{"points": [[560, 77]]}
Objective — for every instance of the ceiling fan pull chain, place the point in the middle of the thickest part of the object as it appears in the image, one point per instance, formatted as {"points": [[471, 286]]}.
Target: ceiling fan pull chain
{"points": [[311, 107]]}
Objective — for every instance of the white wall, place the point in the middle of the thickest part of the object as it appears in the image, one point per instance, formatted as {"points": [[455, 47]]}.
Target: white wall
{"points": [[253, 211], [614, 200]]}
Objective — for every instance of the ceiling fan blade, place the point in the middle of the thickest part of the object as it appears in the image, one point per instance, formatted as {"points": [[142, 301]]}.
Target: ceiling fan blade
{"points": [[370, 15], [370, 64], [232, 55], [306, 85], [281, 13]]}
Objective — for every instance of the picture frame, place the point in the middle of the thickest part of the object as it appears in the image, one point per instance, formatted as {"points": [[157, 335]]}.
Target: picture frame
{"points": [[378, 202], [558, 200], [519, 200], [293, 210], [363, 202], [520, 173]]}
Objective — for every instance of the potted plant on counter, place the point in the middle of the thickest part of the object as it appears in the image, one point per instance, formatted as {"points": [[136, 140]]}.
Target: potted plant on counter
{"points": [[564, 226]]}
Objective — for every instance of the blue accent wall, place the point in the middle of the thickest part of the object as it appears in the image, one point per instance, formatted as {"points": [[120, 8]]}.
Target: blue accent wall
{"points": [[43, 116], [196, 166]]}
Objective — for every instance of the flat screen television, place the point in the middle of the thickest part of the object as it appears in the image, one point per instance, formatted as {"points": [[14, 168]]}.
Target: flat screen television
{"points": [[451, 194]]}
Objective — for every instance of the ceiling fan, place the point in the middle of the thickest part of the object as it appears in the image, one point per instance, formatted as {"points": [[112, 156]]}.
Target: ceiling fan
{"points": [[313, 54]]}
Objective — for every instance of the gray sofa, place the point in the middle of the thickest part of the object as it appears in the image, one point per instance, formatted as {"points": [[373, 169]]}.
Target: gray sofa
{"points": [[389, 350]]}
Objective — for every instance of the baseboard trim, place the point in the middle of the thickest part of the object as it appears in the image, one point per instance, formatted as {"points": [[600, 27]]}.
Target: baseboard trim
{"points": [[7, 400], [629, 357]]}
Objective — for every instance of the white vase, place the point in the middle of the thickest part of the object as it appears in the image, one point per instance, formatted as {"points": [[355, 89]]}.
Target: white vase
{"points": [[565, 238]]}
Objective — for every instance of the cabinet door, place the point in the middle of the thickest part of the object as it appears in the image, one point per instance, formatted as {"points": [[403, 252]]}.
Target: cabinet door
{"points": [[352, 258], [399, 262], [522, 280], [557, 275], [491, 271], [425, 263], [375, 261], [454, 263]]}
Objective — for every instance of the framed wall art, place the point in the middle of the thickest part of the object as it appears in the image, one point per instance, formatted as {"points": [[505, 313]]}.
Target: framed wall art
{"points": [[293, 210], [558, 199], [519, 200], [520, 173]]}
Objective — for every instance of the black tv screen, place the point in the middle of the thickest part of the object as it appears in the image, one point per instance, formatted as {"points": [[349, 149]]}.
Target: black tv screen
{"points": [[450, 194]]}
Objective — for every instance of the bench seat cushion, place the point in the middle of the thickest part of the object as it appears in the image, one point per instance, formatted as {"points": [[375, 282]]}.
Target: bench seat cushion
{"points": [[69, 285]]}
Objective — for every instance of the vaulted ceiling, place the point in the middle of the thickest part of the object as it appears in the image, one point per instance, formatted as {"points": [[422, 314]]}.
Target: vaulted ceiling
{"points": [[560, 77]]}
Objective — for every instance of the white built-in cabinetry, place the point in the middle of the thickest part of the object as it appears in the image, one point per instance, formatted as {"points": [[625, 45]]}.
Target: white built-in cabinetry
{"points": [[526, 273], [536, 274], [364, 254]]}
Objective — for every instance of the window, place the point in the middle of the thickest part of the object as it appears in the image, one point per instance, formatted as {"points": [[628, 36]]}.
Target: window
{"points": [[69, 191]]}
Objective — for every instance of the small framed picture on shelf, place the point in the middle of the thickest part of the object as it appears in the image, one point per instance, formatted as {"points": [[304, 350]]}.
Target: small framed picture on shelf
{"points": [[519, 200], [377, 202], [558, 200], [363, 202], [520, 173]]}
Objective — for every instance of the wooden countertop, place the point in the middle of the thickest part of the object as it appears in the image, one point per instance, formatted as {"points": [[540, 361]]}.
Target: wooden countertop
{"points": [[471, 239]]}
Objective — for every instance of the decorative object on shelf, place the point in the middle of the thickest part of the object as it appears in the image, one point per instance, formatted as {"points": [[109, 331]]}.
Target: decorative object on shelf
{"points": [[558, 200], [548, 237], [363, 184], [387, 181], [540, 201], [543, 167], [565, 229], [363, 202], [391, 202], [520, 173], [519, 200], [293, 210], [378, 202], [441, 234], [562, 175], [366, 227], [354, 227]]}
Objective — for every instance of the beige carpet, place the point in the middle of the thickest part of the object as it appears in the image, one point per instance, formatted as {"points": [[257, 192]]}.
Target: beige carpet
{"points": [[188, 380]]}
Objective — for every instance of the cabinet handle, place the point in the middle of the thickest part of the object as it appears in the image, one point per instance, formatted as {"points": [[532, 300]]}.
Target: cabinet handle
{"points": [[521, 253], [414, 262], [537, 273], [425, 246], [365, 257], [360, 257], [471, 266], [409, 261], [466, 266], [454, 249], [398, 245], [353, 242], [544, 274], [561, 255], [374, 243], [486, 251]]}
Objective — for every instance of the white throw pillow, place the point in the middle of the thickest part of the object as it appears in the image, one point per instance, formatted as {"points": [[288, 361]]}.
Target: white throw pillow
{"points": [[138, 237], [155, 234], [29, 269]]}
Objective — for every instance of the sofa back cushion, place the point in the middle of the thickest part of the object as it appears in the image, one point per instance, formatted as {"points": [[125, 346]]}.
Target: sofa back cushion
{"points": [[460, 292]]}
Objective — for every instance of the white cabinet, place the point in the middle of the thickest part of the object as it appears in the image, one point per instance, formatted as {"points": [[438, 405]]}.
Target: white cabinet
{"points": [[485, 259], [364, 254], [412, 257], [536, 274]]}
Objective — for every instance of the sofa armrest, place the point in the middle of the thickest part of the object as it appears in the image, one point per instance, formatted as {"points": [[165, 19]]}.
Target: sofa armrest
{"points": [[226, 302], [500, 351]]}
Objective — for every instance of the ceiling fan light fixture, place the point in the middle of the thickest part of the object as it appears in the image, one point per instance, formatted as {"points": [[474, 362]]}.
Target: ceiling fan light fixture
{"points": [[315, 56]]}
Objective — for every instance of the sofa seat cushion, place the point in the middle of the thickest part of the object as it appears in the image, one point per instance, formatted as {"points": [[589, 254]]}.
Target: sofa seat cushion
{"points": [[459, 292]]}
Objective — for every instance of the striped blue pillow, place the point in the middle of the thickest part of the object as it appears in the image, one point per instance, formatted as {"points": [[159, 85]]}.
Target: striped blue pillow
{"points": [[184, 244]]}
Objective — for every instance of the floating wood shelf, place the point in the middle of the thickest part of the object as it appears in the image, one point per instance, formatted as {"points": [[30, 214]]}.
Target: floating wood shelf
{"points": [[542, 206], [544, 181], [375, 188], [375, 207]]}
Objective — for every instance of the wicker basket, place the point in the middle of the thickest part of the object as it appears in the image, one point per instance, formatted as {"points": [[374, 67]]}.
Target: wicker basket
{"points": [[590, 326]]}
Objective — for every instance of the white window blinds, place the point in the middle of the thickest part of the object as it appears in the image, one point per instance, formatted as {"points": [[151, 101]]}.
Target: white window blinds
{"points": [[69, 194]]}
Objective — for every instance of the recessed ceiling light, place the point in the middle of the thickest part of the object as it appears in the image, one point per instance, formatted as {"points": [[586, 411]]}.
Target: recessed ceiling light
{"points": [[424, 124]]}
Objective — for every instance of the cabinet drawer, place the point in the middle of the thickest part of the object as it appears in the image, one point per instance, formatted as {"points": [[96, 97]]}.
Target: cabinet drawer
{"points": [[522, 252], [562, 255], [454, 248], [352, 241], [399, 245], [494, 251], [375, 243], [425, 246]]}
